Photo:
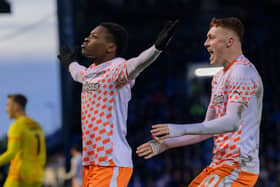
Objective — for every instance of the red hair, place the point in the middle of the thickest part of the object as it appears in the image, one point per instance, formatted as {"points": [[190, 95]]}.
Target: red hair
{"points": [[231, 23]]}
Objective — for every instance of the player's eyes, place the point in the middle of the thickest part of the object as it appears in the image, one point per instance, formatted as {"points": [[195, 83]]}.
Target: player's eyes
{"points": [[92, 36]]}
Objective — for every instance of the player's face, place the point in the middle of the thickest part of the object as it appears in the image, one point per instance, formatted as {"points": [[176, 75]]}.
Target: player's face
{"points": [[216, 45], [11, 108], [96, 45]]}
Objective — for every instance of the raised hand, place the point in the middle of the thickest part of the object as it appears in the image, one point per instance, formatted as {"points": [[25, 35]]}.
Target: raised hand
{"points": [[166, 35], [67, 56]]}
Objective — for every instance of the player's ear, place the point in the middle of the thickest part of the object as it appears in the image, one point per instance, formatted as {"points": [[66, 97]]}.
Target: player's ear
{"points": [[111, 47], [17, 107], [230, 41]]}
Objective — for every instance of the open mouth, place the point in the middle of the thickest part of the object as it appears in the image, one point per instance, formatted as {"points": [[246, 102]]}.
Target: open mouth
{"points": [[83, 45], [211, 52]]}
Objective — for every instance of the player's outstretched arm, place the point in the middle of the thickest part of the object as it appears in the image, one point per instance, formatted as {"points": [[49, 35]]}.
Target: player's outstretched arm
{"points": [[228, 123], [67, 56], [151, 148], [136, 65], [68, 59], [157, 146], [166, 35]]}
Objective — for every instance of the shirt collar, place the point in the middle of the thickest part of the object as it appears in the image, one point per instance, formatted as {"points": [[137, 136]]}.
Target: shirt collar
{"points": [[233, 62]]}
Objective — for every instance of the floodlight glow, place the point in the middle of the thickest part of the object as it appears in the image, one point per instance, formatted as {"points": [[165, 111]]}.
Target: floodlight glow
{"points": [[207, 71]]}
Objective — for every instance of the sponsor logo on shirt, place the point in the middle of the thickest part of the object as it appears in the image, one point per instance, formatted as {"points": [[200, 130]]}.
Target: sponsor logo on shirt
{"points": [[94, 74], [218, 99], [87, 87]]}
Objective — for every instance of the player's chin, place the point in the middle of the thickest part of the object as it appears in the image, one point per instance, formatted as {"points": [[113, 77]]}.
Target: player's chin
{"points": [[85, 52], [214, 62]]}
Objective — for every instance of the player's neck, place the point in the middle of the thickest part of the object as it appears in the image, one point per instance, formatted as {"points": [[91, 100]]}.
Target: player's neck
{"points": [[232, 56], [104, 59], [19, 114]]}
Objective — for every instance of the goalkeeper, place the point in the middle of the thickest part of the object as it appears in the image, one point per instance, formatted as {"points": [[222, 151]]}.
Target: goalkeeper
{"points": [[26, 147]]}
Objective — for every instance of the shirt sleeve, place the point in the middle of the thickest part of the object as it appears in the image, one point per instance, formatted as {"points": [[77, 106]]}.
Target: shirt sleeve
{"points": [[77, 71], [137, 64], [120, 73], [215, 126], [241, 87], [14, 136]]}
